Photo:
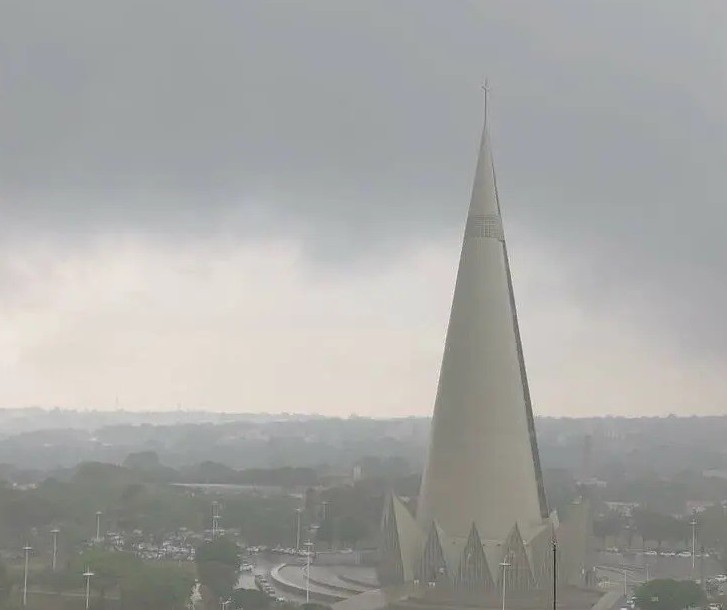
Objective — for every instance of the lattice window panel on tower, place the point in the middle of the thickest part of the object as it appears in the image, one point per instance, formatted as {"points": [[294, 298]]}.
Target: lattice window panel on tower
{"points": [[391, 568], [474, 573], [433, 568], [541, 553], [518, 575], [484, 226]]}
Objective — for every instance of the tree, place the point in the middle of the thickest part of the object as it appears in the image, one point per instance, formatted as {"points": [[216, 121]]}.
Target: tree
{"points": [[712, 526], [109, 568], [263, 520], [218, 577], [5, 584], [217, 565], [668, 594], [142, 460], [249, 599], [221, 550], [156, 588], [352, 529], [659, 528], [608, 525]]}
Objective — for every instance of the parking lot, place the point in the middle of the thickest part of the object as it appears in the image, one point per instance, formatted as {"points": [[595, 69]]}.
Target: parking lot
{"points": [[634, 567]]}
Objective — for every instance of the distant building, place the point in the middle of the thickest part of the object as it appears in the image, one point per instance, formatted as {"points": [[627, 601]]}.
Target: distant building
{"points": [[623, 508], [593, 482], [698, 506]]}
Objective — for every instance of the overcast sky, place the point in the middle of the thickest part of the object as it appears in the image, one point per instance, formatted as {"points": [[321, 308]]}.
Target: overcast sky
{"points": [[257, 205]]}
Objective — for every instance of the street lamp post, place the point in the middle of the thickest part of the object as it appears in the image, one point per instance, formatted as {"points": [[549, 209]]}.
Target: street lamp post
{"points": [[324, 524], [297, 535], [27, 550], [555, 572], [87, 575], [215, 518], [55, 533], [504, 565], [98, 525], [309, 548], [693, 523]]}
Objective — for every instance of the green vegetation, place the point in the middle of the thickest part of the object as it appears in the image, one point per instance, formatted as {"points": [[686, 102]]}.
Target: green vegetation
{"points": [[136, 499], [261, 520], [661, 465], [156, 588], [5, 584], [217, 565], [250, 599], [117, 575], [656, 528], [669, 594], [126, 498], [660, 528]]}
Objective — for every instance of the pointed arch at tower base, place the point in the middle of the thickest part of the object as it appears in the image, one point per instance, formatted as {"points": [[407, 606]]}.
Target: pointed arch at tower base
{"points": [[444, 569]]}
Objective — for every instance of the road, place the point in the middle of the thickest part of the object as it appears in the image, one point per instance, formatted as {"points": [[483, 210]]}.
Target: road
{"points": [[262, 567], [612, 566]]}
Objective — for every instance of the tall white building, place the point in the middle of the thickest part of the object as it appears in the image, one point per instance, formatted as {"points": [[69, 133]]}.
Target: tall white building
{"points": [[482, 520]]}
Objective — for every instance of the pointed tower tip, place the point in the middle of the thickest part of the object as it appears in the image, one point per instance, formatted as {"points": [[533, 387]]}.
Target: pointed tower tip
{"points": [[486, 95], [484, 212]]}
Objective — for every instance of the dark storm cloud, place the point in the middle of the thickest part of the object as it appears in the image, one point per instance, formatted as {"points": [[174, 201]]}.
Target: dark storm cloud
{"points": [[351, 124], [328, 113]]}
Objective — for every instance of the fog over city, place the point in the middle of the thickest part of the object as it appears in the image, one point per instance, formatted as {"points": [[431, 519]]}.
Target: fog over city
{"points": [[363, 305], [258, 206]]}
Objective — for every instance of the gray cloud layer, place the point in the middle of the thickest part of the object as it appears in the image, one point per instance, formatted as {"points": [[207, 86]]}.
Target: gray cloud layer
{"points": [[354, 124]]}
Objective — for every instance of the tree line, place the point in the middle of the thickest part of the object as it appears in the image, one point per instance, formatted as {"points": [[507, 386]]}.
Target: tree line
{"points": [[710, 528]]}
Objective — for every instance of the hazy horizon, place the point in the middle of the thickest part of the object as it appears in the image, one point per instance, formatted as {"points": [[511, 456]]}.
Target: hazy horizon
{"points": [[232, 414]]}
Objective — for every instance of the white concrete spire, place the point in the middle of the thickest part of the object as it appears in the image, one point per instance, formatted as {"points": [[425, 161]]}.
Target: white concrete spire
{"points": [[484, 190], [483, 464], [482, 502]]}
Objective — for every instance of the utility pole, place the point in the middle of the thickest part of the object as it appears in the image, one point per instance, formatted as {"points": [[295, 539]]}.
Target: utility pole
{"points": [[87, 575], [504, 565], [27, 550], [215, 518], [98, 525], [555, 572], [297, 535], [693, 523], [309, 546], [55, 533]]}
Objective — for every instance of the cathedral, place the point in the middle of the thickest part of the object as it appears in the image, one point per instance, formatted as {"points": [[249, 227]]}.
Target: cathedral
{"points": [[482, 529]]}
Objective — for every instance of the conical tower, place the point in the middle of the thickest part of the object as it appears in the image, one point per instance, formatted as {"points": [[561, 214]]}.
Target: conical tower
{"points": [[483, 465], [482, 524]]}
